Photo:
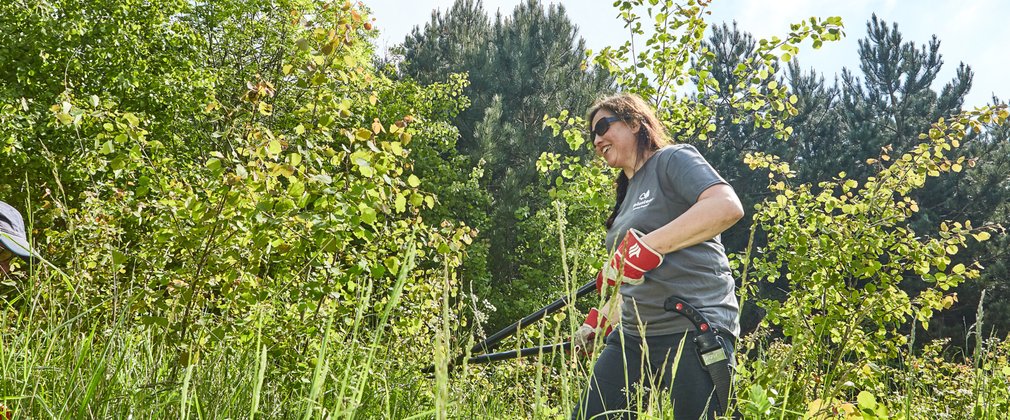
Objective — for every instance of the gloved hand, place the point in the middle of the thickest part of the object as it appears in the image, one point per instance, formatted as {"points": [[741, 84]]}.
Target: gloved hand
{"points": [[585, 336], [629, 263]]}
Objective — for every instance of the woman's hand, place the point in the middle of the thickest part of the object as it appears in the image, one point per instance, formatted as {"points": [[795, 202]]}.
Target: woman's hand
{"points": [[629, 263], [598, 321]]}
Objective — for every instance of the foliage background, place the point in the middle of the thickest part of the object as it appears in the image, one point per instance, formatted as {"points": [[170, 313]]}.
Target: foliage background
{"points": [[241, 192]]}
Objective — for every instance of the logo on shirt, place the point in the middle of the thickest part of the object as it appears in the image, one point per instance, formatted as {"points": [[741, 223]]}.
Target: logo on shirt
{"points": [[644, 200]]}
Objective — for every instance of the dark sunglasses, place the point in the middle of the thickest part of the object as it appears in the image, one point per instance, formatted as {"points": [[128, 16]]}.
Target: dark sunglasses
{"points": [[602, 126]]}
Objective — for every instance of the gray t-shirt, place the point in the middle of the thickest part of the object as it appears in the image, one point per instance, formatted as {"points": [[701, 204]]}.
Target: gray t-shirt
{"points": [[664, 188]]}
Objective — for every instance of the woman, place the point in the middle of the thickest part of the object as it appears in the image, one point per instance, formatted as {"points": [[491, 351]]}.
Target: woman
{"points": [[664, 237]]}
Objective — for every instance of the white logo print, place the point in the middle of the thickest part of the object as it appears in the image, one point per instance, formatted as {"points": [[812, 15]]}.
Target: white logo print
{"points": [[635, 250], [643, 200]]}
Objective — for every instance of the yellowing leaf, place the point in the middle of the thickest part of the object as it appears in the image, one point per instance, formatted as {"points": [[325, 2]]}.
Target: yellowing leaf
{"points": [[265, 108], [377, 126], [274, 147], [982, 236], [413, 181], [363, 134], [64, 118]]}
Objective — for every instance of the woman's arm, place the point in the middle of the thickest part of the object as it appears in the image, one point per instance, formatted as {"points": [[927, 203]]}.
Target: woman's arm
{"points": [[716, 210]]}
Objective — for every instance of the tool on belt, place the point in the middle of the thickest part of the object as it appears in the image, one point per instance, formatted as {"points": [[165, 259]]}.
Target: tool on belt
{"points": [[710, 346]]}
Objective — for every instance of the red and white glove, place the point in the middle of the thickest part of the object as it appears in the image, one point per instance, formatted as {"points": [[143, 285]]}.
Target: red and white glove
{"points": [[585, 336], [629, 263]]}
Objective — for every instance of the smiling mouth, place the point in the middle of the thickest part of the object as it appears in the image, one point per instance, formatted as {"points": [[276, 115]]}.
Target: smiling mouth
{"points": [[606, 149]]}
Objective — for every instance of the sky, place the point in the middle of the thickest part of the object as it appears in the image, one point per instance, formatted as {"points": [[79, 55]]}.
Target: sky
{"points": [[970, 31]]}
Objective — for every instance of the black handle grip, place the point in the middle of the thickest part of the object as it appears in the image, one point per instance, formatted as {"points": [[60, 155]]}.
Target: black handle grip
{"points": [[491, 342], [707, 338]]}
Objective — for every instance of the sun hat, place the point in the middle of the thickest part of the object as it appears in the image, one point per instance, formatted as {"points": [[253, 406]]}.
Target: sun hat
{"points": [[12, 231]]}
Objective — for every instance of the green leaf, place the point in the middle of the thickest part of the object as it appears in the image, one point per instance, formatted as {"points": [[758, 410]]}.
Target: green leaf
{"points": [[118, 258], [64, 118], [413, 181], [107, 148], [367, 213], [392, 263], [214, 164], [274, 147], [154, 320], [400, 203], [296, 189], [866, 401], [131, 119]]}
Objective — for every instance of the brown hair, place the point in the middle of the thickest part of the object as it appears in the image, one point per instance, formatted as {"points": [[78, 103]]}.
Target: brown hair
{"points": [[651, 134]]}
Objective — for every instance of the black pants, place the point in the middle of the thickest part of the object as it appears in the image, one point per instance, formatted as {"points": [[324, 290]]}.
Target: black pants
{"points": [[620, 369]]}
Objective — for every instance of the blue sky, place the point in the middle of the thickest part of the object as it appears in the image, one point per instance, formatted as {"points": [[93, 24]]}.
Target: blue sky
{"points": [[971, 31]]}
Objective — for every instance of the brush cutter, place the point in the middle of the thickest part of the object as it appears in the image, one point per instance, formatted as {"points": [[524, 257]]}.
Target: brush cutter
{"points": [[491, 342]]}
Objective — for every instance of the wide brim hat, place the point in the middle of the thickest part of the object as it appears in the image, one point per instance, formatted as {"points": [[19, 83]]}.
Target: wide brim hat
{"points": [[12, 231]]}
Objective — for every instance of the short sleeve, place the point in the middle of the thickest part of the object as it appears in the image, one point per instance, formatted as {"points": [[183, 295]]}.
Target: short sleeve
{"points": [[687, 174]]}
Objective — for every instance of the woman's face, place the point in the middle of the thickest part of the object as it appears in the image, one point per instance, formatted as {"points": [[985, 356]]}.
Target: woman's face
{"points": [[617, 143]]}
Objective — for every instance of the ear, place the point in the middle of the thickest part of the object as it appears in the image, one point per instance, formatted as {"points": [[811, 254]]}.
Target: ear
{"points": [[635, 126]]}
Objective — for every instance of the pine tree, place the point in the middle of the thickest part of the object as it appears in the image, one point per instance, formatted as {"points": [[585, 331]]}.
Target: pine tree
{"points": [[520, 67]]}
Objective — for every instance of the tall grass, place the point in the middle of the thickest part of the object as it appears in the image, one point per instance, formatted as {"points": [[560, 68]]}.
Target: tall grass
{"points": [[59, 359]]}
